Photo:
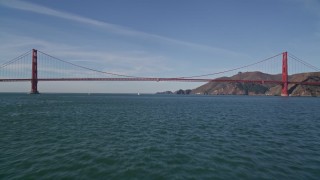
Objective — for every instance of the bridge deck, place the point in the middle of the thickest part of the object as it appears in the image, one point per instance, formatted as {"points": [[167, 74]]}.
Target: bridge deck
{"points": [[164, 79]]}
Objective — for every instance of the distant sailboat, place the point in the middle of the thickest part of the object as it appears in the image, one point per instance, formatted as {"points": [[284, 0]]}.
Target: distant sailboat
{"points": [[138, 94]]}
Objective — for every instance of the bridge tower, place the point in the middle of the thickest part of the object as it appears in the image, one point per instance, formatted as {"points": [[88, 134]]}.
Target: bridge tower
{"points": [[34, 76], [284, 91]]}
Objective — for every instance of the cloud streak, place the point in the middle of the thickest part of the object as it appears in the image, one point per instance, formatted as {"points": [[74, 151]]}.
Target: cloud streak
{"points": [[126, 62], [26, 6]]}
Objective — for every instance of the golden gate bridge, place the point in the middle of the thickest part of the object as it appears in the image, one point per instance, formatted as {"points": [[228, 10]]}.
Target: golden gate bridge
{"points": [[45, 67]]}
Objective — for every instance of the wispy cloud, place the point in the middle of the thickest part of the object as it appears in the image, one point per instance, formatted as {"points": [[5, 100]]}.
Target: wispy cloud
{"points": [[126, 62], [26, 6]]}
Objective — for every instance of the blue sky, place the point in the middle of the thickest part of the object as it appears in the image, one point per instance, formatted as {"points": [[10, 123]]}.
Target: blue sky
{"points": [[157, 38]]}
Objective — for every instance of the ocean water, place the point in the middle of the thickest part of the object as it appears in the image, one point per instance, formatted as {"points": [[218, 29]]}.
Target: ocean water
{"points": [[114, 136]]}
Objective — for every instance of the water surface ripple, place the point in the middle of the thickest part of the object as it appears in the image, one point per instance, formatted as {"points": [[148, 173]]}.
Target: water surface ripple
{"points": [[54, 136]]}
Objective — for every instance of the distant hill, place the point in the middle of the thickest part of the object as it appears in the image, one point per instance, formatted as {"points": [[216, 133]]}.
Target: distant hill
{"points": [[218, 88]]}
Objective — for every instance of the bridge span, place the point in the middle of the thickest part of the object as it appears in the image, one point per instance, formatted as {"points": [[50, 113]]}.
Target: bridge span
{"points": [[34, 79]]}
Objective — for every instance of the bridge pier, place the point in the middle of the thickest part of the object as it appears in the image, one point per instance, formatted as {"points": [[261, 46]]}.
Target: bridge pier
{"points": [[34, 76], [284, 90]]}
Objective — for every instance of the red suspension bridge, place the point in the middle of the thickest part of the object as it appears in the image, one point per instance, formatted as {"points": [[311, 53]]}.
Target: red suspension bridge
{"points": [[44, 67]]}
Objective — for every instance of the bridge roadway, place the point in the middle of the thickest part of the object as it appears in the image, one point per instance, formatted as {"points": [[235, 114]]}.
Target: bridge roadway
{"points": [[164, 79]]}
